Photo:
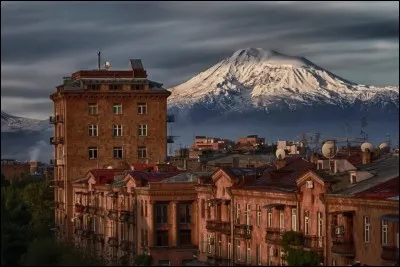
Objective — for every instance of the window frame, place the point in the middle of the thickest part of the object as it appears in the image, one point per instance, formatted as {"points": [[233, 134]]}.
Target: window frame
{"points": [[117, 130], [115, 150], [142, 130], [142, 108], [93, 149], [93, 109], [142, 152], [385, 227], [117, 108], [93, 130], [367, 229]]}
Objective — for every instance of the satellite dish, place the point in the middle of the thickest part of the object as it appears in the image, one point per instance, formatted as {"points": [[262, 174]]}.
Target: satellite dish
{"points": [[107, 65], [329, 149], [384, 147], [366, 145], [109, 167], [280, 153]]}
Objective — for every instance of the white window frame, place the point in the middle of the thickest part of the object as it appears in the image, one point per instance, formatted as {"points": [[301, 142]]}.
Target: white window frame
{"points": [[258, 215], [117, 108], [367, 228], [142, 108], [142, 130], [248, 210], [259, 254], [294, 219], [306, 224], [120, 148], [93, 109], [238, 251], [281, 220], [248, 254], [91, 150], [142, 152], [93, 130], [269, 218], [384, 232], [117, 130]]}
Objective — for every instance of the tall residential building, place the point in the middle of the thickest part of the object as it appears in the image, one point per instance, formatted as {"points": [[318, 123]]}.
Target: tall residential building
{"points": [[104, 119]]}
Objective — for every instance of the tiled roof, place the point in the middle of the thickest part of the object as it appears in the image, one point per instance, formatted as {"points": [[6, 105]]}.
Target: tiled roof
{"points": [[283, 179], [104, 176], [382, 170], [384, 190], [187, 177]]}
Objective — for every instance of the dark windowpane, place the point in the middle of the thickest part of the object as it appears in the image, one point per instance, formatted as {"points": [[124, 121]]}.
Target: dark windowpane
{"points": [[185, 237]]}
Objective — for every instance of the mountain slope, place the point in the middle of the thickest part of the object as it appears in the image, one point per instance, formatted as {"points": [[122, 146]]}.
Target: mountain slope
{"points": [[256, 79], [10, 123]]}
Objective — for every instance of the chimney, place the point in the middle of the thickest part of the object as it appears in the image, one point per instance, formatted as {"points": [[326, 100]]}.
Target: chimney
{"points": [[33, 167], [366, 157], [280, 163], [235, 162]]}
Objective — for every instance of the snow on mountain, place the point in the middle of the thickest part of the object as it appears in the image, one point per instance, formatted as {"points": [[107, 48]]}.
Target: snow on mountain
{"points": [[10, 123], [254, 78]]}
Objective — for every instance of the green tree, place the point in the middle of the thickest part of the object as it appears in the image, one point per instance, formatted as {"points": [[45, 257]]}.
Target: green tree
{"points": [[294, 253], [143, 260]]}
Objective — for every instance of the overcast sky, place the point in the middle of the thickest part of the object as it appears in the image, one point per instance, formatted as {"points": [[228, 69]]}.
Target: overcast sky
{"points": [[43, 41]]}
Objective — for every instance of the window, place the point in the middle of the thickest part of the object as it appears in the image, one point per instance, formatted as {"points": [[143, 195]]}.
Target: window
{"points": [[95, 87], [353, 178], [238, 251], [92, 130], [320, 223], [259, 254], [117, 108], [210, 244], [237, 213], [203, 208], [384, 232], [92, 109], [294, 219], [270, 255], [367, 224], [185, 213], [258, 215], [142, 108], [229, 250], [142, 152], [115, 87], [136, 87], [306, 223], [161, 238], [117, 152], [142, 130], [269, 215], [281, 220], [117, 130], [220, 248], [248, 210], [92, 152], [161, 211], [203, 242], [248, 254], [185, 237]]}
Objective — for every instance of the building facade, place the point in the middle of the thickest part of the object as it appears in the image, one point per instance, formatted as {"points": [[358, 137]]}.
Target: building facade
{"points": [[105, 118]]}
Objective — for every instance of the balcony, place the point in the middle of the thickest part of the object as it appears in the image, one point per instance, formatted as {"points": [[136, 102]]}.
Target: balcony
{"points": [[219, 226], [243, 231], [273, 236], [390, 253], [313, 242], [112, 215], [127, 217], [56, 140], [126, 246], [170, 118], [113, 242], [56, 119], [342, 245], [79, 208]]}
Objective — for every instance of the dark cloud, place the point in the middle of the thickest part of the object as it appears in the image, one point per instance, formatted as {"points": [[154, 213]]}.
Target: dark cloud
{"points": [[43, 41]]}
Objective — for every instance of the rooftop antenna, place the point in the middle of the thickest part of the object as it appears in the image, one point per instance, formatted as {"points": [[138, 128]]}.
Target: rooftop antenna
{"points": [[98, 59]]}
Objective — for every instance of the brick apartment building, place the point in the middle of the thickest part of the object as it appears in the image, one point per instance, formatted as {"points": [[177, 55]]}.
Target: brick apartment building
{"points": [[104, 118]]}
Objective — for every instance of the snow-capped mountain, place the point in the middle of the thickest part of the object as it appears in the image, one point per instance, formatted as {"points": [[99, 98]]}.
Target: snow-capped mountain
{"points": [[256, 79], [10, 123]]}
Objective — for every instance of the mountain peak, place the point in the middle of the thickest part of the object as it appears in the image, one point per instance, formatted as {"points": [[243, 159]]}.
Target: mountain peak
{"points": [[270, 57]]}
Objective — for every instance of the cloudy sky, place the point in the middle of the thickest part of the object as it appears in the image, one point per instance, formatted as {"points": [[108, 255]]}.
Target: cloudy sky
{"points": [[43, 41]]}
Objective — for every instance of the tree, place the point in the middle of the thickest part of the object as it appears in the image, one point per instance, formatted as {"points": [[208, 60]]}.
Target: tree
{"points": [[294, 253], [143, 260]]}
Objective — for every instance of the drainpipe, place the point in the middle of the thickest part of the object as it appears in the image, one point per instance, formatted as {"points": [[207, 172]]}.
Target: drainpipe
{"points": [[229, 191]]}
